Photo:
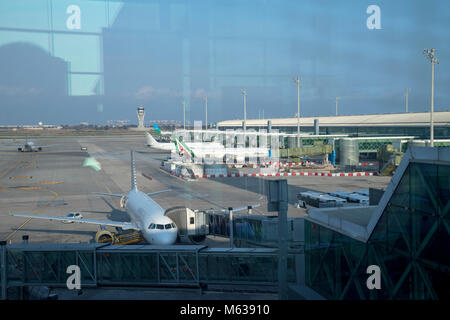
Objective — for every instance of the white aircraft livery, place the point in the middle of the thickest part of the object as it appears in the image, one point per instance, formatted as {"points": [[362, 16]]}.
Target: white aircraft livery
{"points": [[205, 149], [146, 215]]}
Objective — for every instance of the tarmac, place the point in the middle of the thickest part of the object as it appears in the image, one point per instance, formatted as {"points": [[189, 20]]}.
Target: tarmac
{"points": [[54, 182]]}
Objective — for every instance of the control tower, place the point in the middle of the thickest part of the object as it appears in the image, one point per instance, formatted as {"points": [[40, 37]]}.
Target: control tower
{"points": [[141, 114]]}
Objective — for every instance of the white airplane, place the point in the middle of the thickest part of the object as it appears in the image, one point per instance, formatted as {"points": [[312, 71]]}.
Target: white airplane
{"points": [[172, 146], [146, 215], [209, 150], [29, 146]]}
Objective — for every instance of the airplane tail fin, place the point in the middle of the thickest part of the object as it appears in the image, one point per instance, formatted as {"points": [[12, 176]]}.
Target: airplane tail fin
{"points": [[157, 130], [133, 172], [182, 147], [150, 140]]}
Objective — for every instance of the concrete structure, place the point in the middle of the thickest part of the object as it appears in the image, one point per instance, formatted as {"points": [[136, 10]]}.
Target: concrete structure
{"points": [[407, 236]]}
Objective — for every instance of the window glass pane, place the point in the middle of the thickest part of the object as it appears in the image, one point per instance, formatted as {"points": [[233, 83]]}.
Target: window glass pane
{"points": [[444, 188], [401, 195], [399, 228], [160, 226], [423, 184], [24, 14]]}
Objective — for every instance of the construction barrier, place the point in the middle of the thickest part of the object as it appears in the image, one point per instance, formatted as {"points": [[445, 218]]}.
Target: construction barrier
{"points": [[278, 174], [285, 163]]}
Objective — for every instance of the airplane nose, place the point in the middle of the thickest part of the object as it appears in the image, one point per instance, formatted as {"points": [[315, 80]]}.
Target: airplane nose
{"points": [[165, 238]]}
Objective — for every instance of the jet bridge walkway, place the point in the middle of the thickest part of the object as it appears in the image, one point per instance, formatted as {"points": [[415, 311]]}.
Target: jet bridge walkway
{"points": [[38, 264]]}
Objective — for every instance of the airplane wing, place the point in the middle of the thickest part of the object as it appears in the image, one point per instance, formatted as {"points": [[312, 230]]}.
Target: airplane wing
{"points": [[50, 145], [156, 192], [118, 195], [123, 225]]}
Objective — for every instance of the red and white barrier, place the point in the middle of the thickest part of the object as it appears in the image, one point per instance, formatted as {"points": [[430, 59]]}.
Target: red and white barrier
{"points": [[284, 163], [277, 174], [290, 174]]}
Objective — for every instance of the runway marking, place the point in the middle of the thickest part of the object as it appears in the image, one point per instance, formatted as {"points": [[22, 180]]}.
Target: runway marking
{"points": [[49, 182], [12, 167], [55, 195], [107, 189], [30, 188], [25, 177]]}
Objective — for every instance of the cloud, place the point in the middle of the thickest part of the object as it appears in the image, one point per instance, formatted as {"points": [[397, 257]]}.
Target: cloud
{"points": [[148, 92], [18, 91]]}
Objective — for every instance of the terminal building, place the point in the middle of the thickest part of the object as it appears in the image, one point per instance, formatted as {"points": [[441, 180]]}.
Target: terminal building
{"points": [[407, 235], [393, 124]]}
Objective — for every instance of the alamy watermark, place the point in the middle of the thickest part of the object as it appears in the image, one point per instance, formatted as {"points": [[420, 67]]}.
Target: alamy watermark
{"points": [[374, 280], [74, 280]]}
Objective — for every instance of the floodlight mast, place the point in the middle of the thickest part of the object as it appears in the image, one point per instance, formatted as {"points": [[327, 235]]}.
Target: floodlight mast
{"points": [[430, 55], [244, 92], [184, 115], [299, 141], [337, 99], [206, 112], [406, 102]]}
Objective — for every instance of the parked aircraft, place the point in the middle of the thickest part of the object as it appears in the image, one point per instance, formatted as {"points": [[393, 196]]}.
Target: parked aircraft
{"points": [[146, 215]]}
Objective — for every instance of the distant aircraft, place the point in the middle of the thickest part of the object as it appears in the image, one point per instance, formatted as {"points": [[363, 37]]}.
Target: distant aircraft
{"points": [[146, 215], [29, 146], [174, 145], [158, 130], [210, 150]]}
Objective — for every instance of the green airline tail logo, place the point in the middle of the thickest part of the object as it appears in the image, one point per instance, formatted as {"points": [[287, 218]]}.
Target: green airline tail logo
{"points": [[181, 147]]}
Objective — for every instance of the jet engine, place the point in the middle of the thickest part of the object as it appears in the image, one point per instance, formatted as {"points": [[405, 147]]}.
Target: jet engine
{"points": [[123, 202], [104, 236]]}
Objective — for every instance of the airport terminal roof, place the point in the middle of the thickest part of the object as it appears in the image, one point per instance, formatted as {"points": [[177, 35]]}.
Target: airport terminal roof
{"points": [[351, 221], [410, 119]]}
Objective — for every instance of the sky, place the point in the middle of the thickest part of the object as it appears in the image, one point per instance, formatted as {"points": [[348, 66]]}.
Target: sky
{"points": [[69, 61]]}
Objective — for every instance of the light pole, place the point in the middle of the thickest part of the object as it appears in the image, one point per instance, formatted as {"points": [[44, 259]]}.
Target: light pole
{"points": [[244, 92], [433, 60], [406, 97], [206, 112], [299, 141], [184, 114], [337, 99]]}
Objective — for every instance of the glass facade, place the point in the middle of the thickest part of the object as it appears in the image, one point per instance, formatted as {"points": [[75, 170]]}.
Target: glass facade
{"points": [[419, 132], [410, 244]]}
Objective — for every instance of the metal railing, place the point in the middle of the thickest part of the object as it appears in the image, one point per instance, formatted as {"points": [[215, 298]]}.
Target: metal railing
{"points": [[36, 264]]}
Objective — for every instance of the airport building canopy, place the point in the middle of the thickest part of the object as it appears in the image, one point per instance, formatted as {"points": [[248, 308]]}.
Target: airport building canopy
{"points": [[410, 119], [359, 222], [350, 221]]}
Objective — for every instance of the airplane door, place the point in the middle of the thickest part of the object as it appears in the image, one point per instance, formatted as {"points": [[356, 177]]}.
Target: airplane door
{"points": [[190, 222]]}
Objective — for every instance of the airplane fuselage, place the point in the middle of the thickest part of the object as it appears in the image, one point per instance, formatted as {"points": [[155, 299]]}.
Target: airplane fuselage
{"points": [[149, 217], [29, 147]]}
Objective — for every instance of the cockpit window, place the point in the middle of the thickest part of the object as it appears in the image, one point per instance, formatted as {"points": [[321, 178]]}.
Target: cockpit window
{"points": [[152, 226], [173, 225], [168, 226], [160, 226]]}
